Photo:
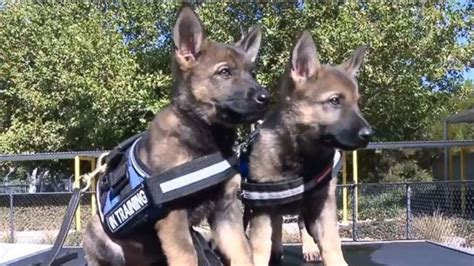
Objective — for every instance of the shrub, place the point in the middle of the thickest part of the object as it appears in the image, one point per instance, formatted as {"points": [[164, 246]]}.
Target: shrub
{"points": [[406, 171], [388, 205]]}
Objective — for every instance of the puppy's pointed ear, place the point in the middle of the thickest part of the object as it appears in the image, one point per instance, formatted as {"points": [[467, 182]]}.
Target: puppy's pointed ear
{"points": [[304, 61], [250, 42], [188, 35], [353, 63]]}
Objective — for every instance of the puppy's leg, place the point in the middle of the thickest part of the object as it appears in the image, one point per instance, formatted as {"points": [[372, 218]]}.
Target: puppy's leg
{"points": [[321, 220], [175, 237], [260, 234], [227, 226], [99, 248], [310, 249], [277, 245]]}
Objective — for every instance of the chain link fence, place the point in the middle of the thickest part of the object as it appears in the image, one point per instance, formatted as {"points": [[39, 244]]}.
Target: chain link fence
{"points": [[380, 213], [442, 212], [37, 217]]}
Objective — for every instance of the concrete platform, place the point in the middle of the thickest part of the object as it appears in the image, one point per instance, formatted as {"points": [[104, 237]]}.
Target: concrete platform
{"points": [[9, 252]]}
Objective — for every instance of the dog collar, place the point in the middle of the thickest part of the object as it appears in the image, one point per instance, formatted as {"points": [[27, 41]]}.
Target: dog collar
{"points": [[288, 190], [129, 195]]}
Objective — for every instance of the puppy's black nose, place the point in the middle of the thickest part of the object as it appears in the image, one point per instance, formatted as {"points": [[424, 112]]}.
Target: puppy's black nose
{"points": [[365, 133], [262, 96]]}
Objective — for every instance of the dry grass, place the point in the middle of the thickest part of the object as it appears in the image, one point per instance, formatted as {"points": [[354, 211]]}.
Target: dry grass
{"points": [[452, 231], [435, 227]]}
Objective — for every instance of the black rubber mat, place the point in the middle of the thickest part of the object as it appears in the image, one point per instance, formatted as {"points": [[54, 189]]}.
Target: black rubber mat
{"points": [[406, 253], [391, 253]]}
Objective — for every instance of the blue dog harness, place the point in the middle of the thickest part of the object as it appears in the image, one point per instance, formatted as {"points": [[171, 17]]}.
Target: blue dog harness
{"points": [[129, 196]]}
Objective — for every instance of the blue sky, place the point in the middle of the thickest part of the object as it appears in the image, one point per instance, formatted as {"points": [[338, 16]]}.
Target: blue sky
{"points": [[469, 74]]}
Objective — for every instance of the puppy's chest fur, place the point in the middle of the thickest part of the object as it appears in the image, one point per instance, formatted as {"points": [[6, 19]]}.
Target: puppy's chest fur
{"points": [[278, 155], [176, 138]]}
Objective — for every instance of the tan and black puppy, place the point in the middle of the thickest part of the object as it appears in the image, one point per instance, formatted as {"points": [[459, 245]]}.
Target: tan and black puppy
{"points": [[318, 113], [214, 91]]}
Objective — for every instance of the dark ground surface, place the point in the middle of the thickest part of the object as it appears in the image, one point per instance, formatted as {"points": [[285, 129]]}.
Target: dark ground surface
{"points": [[407, 253], [391, 253]]}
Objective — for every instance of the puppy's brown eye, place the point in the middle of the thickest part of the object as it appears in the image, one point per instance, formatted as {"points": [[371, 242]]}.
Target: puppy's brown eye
{"points": [[335, 100], [225, 71]]}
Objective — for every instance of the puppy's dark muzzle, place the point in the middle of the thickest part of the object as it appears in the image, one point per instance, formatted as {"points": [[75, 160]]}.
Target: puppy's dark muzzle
{"points": [[349, 140], [247, 105]]}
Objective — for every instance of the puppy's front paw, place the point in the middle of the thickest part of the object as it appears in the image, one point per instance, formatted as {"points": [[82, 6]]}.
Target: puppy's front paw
{"points": [[312, 256], [310, 250]]}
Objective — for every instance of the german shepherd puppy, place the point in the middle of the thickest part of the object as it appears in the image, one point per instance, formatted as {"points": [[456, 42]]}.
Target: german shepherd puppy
{"points": [[318, 112], [214, 91]]}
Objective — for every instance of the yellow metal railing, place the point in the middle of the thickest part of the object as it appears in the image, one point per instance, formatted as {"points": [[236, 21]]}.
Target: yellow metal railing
{"points": [[355, 176], [77, 176], [344, 189]]}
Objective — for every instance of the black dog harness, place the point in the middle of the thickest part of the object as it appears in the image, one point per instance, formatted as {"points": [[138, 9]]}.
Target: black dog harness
{"points": [[286, 191], [130, 196]]}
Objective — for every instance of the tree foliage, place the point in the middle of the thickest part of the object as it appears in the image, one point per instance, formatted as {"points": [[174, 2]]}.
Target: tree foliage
{"points": [[85, 76], [69, 81]]}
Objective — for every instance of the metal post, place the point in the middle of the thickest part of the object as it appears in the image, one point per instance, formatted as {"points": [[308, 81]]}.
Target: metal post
{"points": [[11, 220], [93, 182], [463, 184], [344, 189], [77, 184], [448, 193], [445, 138], [355, 176], [354, 216], [451, 165], [408, 205]]}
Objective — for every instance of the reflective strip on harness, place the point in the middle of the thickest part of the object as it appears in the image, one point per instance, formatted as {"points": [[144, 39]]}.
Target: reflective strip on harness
{"points": [[133, 196], [286, 191], [193, 177]]}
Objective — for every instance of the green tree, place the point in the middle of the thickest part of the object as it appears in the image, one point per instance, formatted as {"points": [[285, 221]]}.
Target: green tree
{"points": [[458, 102], [85, 76], [69, 81]]}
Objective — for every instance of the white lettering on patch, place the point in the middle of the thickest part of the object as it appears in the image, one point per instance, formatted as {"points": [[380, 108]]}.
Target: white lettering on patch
{"points": [[127, 209]]}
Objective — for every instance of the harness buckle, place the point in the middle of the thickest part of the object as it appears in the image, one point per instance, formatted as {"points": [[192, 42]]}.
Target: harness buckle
{"points": [[87, 178]]}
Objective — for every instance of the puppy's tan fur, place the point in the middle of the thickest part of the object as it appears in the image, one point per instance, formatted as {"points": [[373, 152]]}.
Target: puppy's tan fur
{"points": [[214, 91], [317, 113]]}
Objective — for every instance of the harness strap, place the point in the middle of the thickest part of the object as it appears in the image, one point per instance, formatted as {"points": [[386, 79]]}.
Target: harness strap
{"points": [[116, 162], [288, 190], [275, 193], [190, 177], [206, 256], [66, 224], [133, 196]]}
